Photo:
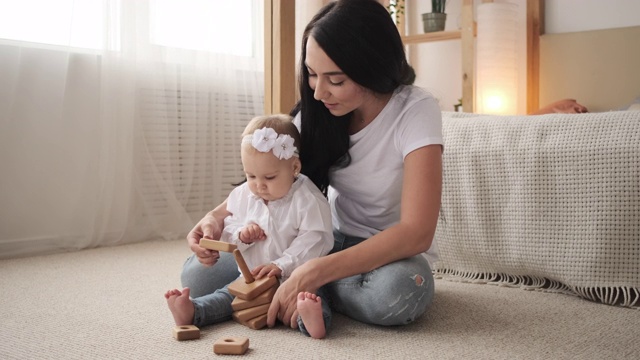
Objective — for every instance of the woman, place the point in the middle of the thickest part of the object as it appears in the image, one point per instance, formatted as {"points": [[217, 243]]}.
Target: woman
{"points": [[373, 144]]}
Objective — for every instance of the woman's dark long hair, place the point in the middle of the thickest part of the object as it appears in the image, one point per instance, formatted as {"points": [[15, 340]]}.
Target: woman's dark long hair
{"points": [[363, 41]]}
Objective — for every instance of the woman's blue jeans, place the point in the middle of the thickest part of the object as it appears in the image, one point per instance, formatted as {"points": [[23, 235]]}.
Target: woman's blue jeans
{"points": [[393, 294]]}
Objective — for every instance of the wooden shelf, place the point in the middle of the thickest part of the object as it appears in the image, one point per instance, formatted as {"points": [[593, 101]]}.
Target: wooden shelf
{"points": [[466, 34], [429, 37]]}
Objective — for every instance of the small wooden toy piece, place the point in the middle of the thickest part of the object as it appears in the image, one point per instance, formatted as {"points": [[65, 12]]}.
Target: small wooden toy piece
{"points": [[246, 273], [250, 313], [236, 345], [250, 291], [264, 298], [186, 332], [248, 288], [256, 323], [217, 245]]}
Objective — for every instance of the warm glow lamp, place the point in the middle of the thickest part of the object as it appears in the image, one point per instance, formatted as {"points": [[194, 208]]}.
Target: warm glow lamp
{"points": [[496, 59]]}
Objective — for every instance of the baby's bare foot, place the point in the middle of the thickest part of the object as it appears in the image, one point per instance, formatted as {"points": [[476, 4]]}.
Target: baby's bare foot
{"points": [[310, 310], [180, 305]]}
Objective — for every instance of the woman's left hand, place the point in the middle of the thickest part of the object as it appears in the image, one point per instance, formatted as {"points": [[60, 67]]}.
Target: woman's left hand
{"points": [[284, 304]]}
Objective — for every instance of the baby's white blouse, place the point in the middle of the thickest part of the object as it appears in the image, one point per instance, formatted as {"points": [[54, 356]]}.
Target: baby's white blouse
{"points": [[298, 226]]}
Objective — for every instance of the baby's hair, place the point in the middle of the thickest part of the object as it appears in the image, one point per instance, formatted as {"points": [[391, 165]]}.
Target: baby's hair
{"points": [[281, 123]]}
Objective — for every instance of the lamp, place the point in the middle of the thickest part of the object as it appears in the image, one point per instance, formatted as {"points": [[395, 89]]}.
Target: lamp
{"points": [[496, 56]]}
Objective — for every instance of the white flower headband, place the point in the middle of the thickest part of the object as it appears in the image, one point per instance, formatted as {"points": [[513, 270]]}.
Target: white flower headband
{"points": [[267, 139]]}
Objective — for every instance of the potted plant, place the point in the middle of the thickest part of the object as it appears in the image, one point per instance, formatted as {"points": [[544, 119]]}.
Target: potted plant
{"points": [[435, 20]]}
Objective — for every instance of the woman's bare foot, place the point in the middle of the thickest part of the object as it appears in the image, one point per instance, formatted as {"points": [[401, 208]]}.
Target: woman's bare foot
{"points": [[310, 310], [180, 305]]}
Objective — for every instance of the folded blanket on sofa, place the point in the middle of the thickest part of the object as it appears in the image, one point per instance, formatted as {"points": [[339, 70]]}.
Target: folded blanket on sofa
{"points": [[545, 202]]}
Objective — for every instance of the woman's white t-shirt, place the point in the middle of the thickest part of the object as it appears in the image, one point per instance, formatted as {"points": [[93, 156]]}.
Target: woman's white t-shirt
{"points": [[365, 196]]}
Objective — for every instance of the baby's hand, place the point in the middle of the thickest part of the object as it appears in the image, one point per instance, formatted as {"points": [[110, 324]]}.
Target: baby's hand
{"points": [[268, 270], [251, 233]]}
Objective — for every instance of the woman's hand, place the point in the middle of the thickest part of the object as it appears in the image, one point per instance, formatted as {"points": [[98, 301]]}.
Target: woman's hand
{"points": [[283, 305], [207, 228], [210, 227]]}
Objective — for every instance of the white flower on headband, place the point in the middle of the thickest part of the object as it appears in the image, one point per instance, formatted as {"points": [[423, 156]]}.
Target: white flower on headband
{"points": [[264, 139], [284, 149], [267, 139]]}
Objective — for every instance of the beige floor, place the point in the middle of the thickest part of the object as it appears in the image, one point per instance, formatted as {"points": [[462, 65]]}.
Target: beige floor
{"points": [[107, 303]]}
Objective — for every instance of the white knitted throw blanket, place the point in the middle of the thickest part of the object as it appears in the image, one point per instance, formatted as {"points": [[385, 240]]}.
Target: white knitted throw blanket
{"points": [[548, 202]]}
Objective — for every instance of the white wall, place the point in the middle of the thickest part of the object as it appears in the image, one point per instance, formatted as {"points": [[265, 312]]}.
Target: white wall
{"points": [[438, 65], [305, 10], [581, 15]]}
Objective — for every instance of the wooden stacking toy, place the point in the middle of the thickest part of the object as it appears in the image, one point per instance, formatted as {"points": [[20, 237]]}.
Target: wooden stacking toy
{"points": [[253, 296]]}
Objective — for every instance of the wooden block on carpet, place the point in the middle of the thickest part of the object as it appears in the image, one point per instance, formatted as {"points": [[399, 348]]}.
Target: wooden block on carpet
{"points": [[235, 345], [217, 245], [250, 291], [256, 323], [264, 298], [186, 332], [250, 313]]}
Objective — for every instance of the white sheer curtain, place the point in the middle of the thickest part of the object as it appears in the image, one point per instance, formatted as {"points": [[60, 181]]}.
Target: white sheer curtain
{"points": [[127, 138]]}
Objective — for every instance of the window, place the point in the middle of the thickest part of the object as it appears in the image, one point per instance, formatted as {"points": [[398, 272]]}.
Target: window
{"points": [[204, 25], [216, 26], [59, 22]]}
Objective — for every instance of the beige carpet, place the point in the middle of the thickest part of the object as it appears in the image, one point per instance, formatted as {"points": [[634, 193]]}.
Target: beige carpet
{"points": [[107, 303]]}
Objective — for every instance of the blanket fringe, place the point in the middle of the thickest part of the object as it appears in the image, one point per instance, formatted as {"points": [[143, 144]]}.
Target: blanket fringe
{"points": [[623, 296]]}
